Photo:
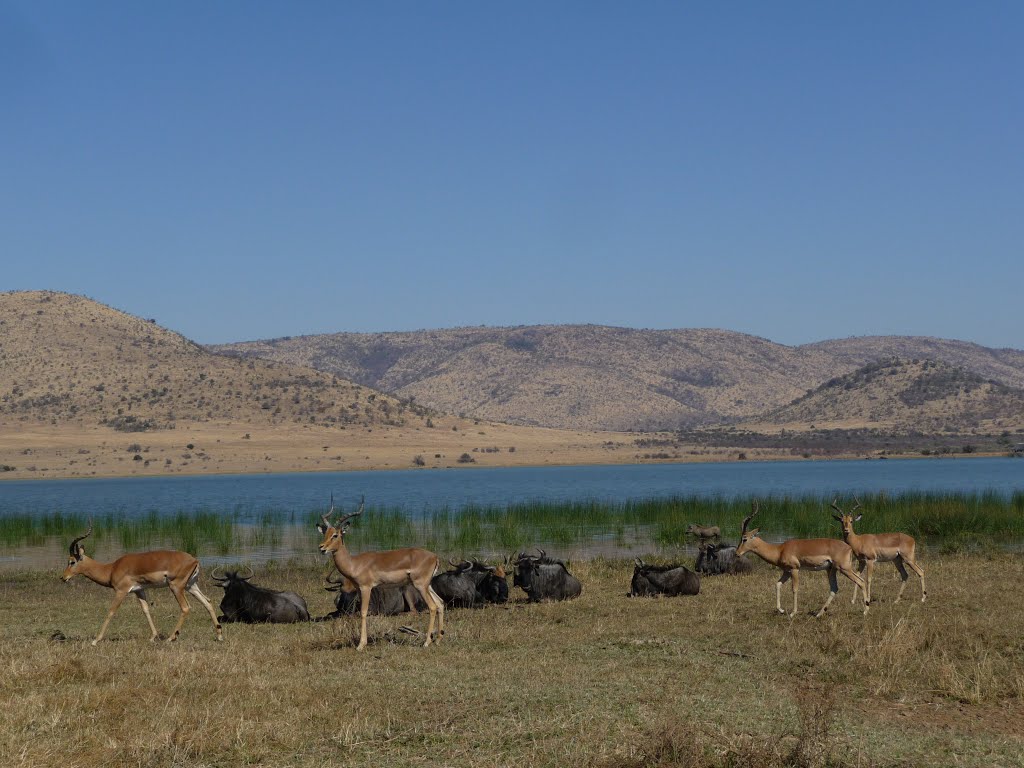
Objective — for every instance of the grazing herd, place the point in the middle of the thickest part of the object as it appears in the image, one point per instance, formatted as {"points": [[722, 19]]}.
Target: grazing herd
{"points": [[392, 582]]}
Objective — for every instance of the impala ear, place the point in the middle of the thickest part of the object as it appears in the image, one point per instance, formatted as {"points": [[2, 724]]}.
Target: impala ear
{"points": [[857, 518], [79, 552], [321, 528], [753, 533]]}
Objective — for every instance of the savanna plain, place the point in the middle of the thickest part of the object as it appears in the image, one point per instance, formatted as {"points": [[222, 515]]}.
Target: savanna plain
{"points": [[713, 680]]}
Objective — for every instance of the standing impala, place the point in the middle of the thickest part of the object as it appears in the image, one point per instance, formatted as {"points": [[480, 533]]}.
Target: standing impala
{"points": [[137, 572], [396, 566], [809, 554], [871, 548]]}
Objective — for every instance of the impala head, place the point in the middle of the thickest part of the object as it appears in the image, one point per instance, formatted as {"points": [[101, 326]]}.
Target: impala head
{"points": [[747, 537], [76, 553], [334, 533], [846, 519]]}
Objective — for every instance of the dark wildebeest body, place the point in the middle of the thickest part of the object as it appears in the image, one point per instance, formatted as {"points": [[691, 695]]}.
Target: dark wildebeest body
{"points": [[714, 559], [671, 580], [456, 587], [385, 599], [544, 578], [246, 603], [490, 583]]}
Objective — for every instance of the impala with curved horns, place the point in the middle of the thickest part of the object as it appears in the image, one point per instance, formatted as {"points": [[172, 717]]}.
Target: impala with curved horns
{"points": [[796, 554], [395, 566], [137, 572], [871, 548]]}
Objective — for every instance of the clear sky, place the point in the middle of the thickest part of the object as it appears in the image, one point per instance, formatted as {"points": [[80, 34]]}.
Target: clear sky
{"points": [[795, 170]]}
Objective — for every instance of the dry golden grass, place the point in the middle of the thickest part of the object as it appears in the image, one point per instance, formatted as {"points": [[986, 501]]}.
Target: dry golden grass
{"points": [[714, 680]]}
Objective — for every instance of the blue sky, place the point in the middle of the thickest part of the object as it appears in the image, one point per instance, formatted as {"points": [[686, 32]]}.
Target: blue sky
{"points": [[798, 171]]}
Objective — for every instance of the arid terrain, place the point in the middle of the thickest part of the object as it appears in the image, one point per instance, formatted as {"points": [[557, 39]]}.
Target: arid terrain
{"points": [[87, 390], [714, 680], [597, 377]]}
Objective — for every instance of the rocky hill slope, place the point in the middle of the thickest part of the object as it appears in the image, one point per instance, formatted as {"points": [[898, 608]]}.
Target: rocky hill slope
{"points": [[68, 359], [596, 377], [900, 396]]}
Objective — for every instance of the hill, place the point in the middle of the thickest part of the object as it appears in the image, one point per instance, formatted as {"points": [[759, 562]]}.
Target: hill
{"points": [[901, 396], [597, 377], [67, 359], [88, 390]]}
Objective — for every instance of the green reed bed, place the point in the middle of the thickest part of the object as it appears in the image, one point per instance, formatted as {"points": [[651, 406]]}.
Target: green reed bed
{"points": [[954, 520]]}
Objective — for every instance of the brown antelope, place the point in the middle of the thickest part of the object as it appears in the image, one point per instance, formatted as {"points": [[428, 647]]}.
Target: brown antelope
{"points": [[135, 573], [396, 566], [871, 548], [796, 554]]}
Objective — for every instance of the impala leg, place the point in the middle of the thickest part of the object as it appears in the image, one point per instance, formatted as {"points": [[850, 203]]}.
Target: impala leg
{"points": [[440, 611], [118, 599], [857, 582], [833, 590], [145, 609], [364, 608], [909, 560], [786, 575], [868, 579], [796, 590], [179, 595], [861, 564], [428, 597], [194, 589]]}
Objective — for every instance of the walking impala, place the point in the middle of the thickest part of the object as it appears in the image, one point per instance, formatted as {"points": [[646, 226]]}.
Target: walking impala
{"points": [[396, 566], [796, 554], [871, 548], [135, 573]]}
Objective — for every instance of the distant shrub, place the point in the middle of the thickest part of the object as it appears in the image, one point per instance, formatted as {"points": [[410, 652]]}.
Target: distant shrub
{"points": [[129, 424], [466, 459], [418, 460]]}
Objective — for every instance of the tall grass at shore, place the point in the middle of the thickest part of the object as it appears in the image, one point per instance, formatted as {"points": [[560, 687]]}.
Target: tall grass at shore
{"points": [[953, 520]]}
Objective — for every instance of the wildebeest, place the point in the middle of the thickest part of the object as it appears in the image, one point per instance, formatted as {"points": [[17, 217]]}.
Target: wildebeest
{"points": [[456, 587], [545, 578], [249, 604], [651, 580], [385, 600], [703, 531], [491, 582], [714, 559]]}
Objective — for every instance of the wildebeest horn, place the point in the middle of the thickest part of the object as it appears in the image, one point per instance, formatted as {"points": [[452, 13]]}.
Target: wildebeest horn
{"points": [[73, 549], [543, 554], [214, 576], [335, 585], [748, 518], [251, 574], [639, 563]]}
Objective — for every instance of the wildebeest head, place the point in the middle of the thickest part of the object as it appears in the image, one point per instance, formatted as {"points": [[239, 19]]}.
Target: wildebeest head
{"points": [[230, 579]]}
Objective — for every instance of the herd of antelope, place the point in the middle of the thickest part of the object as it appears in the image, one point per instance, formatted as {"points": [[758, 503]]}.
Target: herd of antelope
{"points": [[414, 568]]}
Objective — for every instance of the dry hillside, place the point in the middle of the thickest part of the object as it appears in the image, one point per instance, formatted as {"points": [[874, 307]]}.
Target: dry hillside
{"points": [[572, 376], [66, 359], [596, 377], [899, 395]]}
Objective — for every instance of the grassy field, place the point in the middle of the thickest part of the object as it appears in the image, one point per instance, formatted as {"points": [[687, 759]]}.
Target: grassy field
{"points": [[712, 680]]}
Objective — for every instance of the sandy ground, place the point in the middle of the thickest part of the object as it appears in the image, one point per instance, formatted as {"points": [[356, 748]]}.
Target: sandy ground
{"points": [[35, 451]]}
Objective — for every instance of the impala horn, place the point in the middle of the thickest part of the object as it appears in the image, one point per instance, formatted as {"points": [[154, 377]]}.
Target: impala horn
{"points": [[746, 520], [73, 549], [357, 513]]}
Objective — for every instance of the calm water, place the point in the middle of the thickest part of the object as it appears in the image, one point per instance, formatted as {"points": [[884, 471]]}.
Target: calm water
{"points": [[416, 492]]}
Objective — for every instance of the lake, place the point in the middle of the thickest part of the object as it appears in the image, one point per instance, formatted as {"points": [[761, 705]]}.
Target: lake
{"points": [[419, 494]]}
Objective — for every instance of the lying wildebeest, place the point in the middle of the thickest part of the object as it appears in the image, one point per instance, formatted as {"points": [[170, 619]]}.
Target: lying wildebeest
{"points": [[385, 600], [713, 559], [249, 604], [544, 578], [491, 582], [456, 587], [650, 580], [703, 531]]}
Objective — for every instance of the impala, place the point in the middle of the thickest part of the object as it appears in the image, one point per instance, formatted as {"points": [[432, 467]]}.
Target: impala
{"points": [[871, 548], [809, 554], [135, 573], [396, 566]]}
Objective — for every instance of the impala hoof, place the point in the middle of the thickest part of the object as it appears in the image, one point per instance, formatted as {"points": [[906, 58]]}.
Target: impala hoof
{"points": [[93, 643]]}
